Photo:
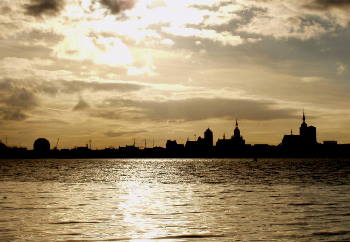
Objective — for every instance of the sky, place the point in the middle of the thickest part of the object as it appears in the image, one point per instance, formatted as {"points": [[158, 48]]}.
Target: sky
{"points": [[112, 71]]}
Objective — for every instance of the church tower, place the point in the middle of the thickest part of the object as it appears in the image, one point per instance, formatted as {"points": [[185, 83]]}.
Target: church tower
{"points": [[303, 127], [237, 139], [236, 132], [308, 133]]}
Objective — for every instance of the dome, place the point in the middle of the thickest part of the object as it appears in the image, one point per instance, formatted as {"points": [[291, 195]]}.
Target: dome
{"points": [[208, 131], [2, 146], [41, 145]]}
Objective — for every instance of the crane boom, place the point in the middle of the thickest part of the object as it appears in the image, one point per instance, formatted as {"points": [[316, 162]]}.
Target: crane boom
{"points": [[58, 140]]}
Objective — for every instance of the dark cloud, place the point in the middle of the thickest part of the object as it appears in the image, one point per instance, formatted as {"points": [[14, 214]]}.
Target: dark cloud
{"points": [[21, 98], [77, 86], [19, 50], [37, 35], [53, 7], [5, 10], [15, 100], [28, 87], [44, 121], [201, 109], [18, 97], [44, 7], [117, 6], [47, 88], [13, 115], [327, 4], [123, 133], [81, 105], [105, 114]]}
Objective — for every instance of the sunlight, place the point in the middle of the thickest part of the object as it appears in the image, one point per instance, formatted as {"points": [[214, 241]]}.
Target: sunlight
{"points": [[140, 204], [101, 50]]}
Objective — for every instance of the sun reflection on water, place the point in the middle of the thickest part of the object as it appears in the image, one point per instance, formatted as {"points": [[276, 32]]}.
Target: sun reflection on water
{"points": [[172, 200], [140, 204]]}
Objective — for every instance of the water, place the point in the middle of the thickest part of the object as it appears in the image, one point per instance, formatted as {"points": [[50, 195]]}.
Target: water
{"points": [[175, 200]]}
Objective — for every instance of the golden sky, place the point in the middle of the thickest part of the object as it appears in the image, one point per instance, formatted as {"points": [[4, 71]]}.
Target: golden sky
{"points": [[114, 70]]}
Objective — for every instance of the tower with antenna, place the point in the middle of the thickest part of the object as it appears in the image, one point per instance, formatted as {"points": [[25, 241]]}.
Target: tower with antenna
{"points": [[307, 136], [307, 133]]}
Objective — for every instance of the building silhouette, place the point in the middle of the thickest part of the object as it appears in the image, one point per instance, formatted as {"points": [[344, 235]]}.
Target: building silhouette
{"points": [[303, 144], [233, 146], [237, 139], [308, 133], [174, 149], [201, 146], [208, 138], [305, 140]]}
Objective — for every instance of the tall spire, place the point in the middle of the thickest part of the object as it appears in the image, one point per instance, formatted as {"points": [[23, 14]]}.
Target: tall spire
{"points": [[236, 123], [303, 116]]}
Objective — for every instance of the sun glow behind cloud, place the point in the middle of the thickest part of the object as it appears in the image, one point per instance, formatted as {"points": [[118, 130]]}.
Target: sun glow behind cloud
{"points": [[106, 50]]}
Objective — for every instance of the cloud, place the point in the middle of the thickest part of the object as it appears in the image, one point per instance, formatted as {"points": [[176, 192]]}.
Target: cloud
{"points": [[225, 37], [111, 51], [39, 8], [123, 133], [311, 79], [202, 109], [302, 20], [117, 6], [81, 105], [22, 89], [78, 86], [341, 68], [328, 4], [16, 100], [105, 114], [44, 7], [13, 115], [14, 95], [19, 97]]}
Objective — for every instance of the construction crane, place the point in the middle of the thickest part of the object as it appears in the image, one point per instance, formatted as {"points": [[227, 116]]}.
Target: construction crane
{"points": [[58, 140]]}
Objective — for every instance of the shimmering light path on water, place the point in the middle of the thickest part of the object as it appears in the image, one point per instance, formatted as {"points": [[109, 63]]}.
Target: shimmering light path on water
{"points": [[178, 200]]}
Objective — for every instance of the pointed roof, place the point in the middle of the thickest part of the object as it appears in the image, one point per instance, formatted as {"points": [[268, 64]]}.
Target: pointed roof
{"points": [[208, 130]]}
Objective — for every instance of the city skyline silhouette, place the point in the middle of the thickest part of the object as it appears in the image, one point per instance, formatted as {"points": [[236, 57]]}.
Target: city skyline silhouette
{"points": [[304, 144]]}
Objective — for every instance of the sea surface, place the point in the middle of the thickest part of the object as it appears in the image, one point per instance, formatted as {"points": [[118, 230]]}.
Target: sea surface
{"points": [[175, 200]]}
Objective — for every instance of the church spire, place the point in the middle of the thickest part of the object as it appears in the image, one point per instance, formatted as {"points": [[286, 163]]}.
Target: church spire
{"points": [[303, 116], [236, 123]]}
